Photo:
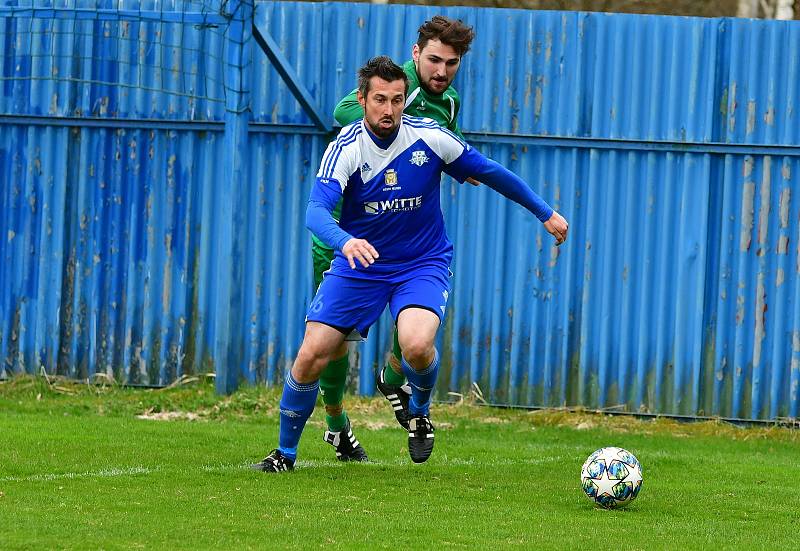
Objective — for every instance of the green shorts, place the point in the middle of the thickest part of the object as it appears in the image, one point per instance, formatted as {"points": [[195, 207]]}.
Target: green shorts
{"points": [[321, 258]]}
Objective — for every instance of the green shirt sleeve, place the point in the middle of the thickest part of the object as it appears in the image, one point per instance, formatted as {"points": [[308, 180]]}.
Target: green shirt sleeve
{"points": [[453, 126], [348, 109]]}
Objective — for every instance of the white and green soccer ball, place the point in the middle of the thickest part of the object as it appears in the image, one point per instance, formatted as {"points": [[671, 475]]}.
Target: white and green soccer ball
{"points": [[611, 477]]}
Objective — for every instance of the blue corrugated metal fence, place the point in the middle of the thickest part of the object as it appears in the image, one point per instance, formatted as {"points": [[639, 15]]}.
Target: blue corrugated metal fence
{"points": [[153, 198]]}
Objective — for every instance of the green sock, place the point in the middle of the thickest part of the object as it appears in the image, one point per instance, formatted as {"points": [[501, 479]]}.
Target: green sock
{"points": [[389, 374], [331, 386], [336, 422]]}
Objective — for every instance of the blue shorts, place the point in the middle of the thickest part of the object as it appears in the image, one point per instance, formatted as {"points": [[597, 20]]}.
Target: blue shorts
{"points": [[349, 303]]}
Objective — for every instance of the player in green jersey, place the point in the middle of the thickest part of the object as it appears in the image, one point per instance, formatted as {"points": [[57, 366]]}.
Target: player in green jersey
{"points": [[436, 58]]}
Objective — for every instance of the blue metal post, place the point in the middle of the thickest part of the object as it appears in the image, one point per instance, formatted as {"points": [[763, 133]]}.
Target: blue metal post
{"points": [[237, 115]]}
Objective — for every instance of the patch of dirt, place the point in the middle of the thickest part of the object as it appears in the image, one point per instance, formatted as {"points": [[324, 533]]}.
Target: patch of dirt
{"points": [[170, 416]]}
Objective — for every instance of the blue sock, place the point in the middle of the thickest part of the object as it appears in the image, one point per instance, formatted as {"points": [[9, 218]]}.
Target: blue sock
{"points": [[297, 404], [422, 383]]}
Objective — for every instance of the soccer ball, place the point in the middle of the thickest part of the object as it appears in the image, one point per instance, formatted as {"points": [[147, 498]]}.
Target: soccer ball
{"points": [[611, 477]]}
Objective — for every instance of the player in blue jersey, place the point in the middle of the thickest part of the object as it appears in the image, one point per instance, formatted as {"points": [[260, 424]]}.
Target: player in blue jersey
{"points": [[436, 58], [391, 247]]}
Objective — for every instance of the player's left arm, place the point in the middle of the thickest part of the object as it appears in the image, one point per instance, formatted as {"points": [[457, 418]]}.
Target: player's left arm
{"points": [[502, 180]]}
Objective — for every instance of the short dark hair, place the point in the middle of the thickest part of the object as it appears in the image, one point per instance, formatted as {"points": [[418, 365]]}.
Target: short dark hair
{"points": [[452, 32], [383, 67]]}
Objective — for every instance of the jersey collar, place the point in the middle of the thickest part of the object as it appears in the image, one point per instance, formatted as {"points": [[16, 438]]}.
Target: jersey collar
{"points": [[383, 143]]}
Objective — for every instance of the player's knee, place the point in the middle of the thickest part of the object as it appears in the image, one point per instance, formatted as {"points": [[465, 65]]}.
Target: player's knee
{"points": [[334, 411], [309, 364], [416, 350]]}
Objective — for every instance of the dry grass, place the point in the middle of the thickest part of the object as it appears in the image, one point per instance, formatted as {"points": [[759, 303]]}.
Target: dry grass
{"points": [[194, 399]]}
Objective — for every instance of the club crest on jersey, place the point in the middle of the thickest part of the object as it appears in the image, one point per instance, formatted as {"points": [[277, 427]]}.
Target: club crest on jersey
{"points": [[391, 177], [419, 158]]}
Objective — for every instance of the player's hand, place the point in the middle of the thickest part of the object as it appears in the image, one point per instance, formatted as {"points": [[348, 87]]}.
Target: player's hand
{"points": [[473, 181], [557, 226], [361, 250]]}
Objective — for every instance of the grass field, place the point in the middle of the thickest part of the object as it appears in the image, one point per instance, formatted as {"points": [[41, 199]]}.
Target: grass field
{"points": [[104, 467]]}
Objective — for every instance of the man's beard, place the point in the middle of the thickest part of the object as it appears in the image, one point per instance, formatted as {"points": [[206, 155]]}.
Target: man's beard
{"points": [[381, 132], [427, 88]]}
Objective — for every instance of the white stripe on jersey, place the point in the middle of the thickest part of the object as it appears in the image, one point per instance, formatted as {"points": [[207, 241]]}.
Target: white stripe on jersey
{"points": [[452, 108], [450, 149], [411, 97], [346, 136], [354, 149]]}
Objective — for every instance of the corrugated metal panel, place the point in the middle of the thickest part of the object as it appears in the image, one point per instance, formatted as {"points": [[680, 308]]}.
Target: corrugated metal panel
{"points": [[678, 291], [102, 250], [573, 74], [755, 289], [84, 65], [276, 251], [640, 328], [759, 92], [659, 302]]}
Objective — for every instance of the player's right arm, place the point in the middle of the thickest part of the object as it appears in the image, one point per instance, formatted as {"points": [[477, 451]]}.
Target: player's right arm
{"points": [[319, 213], [334, 173], [348, 109]]}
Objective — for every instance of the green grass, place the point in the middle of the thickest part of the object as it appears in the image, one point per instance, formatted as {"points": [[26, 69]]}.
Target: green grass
{"points": [[78, 469]]}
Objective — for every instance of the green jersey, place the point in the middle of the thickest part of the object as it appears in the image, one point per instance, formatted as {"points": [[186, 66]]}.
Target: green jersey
{"points": [[443, 108]]}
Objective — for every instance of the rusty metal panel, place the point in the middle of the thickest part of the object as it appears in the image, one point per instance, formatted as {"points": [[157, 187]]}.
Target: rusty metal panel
{"points": [[759, 92], [677, 292], [640, 310], [276, 252], [102, 249], [755, 290], [597, 322]]}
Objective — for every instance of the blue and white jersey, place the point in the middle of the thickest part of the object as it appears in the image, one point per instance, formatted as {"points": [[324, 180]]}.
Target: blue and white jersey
{"points": [[390, 191]]}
